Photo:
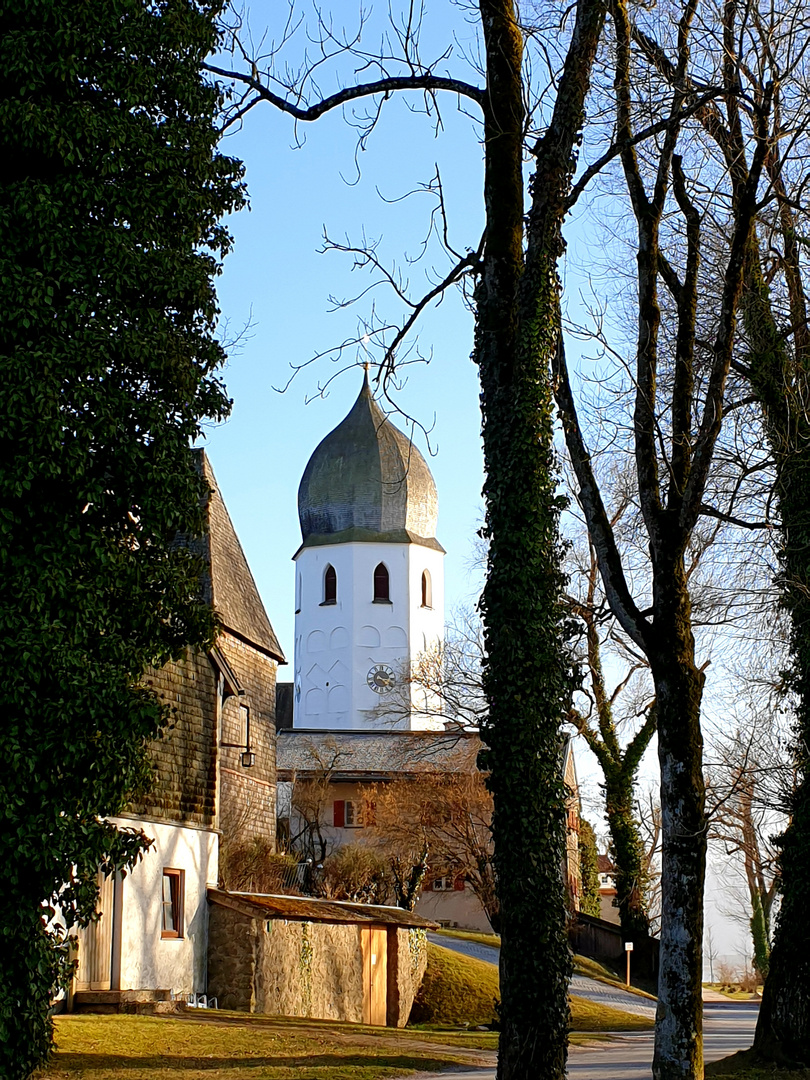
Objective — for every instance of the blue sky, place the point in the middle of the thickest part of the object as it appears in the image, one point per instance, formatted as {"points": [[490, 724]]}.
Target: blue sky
{"points": [[275, 291], [277, 284]]}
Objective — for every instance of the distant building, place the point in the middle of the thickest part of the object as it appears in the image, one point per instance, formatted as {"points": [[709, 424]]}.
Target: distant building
{"points": [[607, 888]]}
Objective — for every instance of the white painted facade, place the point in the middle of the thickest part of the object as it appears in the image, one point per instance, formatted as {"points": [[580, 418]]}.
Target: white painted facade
{"points": [[339, 645], [126, 948]]}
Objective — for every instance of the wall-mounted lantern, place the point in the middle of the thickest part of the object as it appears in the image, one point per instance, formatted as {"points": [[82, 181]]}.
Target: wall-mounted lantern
{"points": [[247, 758]]}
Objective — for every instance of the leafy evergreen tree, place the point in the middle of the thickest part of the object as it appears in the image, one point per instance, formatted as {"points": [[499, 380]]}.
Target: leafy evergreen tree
{"points": [[589, 870], [109, 243]]}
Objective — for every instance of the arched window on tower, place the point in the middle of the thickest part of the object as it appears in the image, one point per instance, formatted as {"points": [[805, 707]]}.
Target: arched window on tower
{"points": [[330, 585], [381, 584], [427, 590]]}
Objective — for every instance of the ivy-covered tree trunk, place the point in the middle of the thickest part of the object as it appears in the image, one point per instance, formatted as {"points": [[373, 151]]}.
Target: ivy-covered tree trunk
{"points": [[527, 672], [628, 855], [619, 768], [783, 1026], [782, 384], [590, 903]]}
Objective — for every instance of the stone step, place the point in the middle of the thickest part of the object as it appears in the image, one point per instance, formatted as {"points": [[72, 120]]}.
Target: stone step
{"points": [[124, 1001]]}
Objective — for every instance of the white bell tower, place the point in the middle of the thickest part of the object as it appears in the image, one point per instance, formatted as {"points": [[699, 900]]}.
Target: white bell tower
{"points": [[369, 590]]}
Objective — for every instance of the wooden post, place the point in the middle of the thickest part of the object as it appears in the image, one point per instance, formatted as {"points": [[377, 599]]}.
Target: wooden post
{"points": [[628, 948]]}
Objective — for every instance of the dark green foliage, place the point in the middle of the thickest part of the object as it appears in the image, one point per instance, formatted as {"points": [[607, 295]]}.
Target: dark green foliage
{"points": [[109, 241], [783, 1028], [589, 870]]}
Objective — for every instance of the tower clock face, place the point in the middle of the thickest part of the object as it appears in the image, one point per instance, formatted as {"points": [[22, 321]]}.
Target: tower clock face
{"points": [[381, 679]]}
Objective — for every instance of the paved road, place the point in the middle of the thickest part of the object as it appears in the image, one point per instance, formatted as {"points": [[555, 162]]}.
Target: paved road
{"points": [[727, 1027], [591, 989]]}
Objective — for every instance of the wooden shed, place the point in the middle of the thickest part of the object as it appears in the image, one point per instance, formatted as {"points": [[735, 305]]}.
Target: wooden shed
{"points": [[326, 959]]}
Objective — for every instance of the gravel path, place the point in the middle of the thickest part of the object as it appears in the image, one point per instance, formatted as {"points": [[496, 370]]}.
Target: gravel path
{"points": [[591, 989]]}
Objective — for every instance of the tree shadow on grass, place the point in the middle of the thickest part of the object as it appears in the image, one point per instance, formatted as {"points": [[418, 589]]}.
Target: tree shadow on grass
{"points": [[111, 1064]]}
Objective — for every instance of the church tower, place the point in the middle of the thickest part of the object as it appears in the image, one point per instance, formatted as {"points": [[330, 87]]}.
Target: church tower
{"points": [[369, 584]]}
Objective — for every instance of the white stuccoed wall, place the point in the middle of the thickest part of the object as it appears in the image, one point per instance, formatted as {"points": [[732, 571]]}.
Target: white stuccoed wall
{"points": [[147, 960], [337, 644]]}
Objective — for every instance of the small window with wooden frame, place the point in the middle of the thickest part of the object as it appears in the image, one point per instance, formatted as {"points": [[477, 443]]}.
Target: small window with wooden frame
{"points": [[329, 586], [382, 585], [173, 890]]}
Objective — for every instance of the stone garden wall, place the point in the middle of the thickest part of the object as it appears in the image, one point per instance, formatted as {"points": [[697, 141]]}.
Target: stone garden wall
{"points": [[304, 967]]}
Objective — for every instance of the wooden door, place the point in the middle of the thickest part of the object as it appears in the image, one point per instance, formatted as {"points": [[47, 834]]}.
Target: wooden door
{"points": [[96, 944], [374, 945]]}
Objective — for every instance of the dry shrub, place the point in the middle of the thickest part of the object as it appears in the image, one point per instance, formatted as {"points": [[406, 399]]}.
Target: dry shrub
{"points": [[748, 979], [356, 872], [254, 867]]}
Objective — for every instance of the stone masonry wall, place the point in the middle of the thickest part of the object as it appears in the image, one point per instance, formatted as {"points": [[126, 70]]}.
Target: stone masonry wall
{"points": [[304, 968], [407, 962], [310, 969], [248, 796], [231, 958], [184, 760]]}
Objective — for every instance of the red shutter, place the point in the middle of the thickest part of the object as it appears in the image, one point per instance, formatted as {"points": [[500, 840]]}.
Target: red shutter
{"points": [[340, 813], [427, 887], [458, 884]]}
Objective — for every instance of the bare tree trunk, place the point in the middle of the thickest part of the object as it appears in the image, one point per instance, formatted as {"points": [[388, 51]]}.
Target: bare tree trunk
{"points": [[679, 688]]}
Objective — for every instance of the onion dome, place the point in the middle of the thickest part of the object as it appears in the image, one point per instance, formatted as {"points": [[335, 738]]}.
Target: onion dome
{"points": [[366, 481]]}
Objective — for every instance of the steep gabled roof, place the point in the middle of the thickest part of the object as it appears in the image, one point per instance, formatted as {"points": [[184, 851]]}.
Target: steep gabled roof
{"points": [[230, 587]]}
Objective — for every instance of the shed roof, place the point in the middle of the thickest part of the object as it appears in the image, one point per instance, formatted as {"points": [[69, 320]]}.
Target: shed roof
{"points": [[373, 753], [309, 909]]}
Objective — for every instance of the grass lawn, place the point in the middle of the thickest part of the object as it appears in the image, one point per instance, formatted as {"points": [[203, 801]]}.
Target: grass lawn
{"points": [[473, 935], [229, 1046], [583, 965], [733, 991], [459, 989], [219, 1045], [745, 1066]]}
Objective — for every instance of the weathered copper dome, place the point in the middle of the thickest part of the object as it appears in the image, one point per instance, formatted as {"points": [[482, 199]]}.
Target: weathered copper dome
{"points": [[367, 481]]}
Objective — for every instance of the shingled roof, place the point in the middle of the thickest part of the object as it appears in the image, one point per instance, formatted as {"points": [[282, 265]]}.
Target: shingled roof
{"points": [[229, 585], [310, 909], [349, 754]]}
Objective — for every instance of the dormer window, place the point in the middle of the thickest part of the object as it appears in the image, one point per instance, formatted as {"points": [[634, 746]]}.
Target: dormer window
{"points": [[330, 585], [427, 590], [381, 585]]}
